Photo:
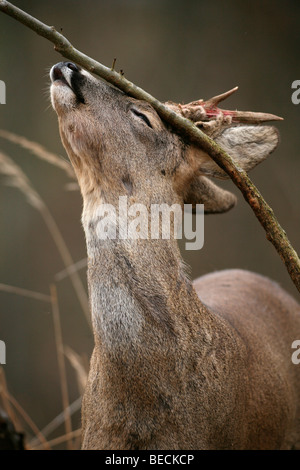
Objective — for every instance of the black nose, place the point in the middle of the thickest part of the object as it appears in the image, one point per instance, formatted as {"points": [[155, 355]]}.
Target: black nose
{"points": [[57, 73]]}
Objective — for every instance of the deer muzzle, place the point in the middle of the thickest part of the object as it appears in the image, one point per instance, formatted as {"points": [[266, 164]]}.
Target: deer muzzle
{"points": [[66, 77]]}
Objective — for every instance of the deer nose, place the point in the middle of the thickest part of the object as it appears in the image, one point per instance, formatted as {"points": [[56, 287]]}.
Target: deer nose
{"points": [[57, 71]]}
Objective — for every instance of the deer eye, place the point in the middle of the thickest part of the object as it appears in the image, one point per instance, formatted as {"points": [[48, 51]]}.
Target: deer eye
{"points": [[142, 116]]}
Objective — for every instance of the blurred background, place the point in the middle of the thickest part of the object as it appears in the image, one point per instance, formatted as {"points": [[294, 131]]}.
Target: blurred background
{"points": [[176, 50]]}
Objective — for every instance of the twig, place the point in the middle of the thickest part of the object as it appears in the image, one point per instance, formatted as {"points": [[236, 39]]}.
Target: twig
{"points": [[113, 64], [61, 363], [274, 232]]}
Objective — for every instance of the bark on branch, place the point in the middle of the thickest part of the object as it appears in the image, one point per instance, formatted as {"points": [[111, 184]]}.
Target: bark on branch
{"points": [[274, 232]]}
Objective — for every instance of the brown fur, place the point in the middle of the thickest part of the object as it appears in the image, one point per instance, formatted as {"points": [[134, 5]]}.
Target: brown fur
{"points": [[176, 365]]}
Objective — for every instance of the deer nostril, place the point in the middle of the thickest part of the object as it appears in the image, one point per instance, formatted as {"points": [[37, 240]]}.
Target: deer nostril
{"points": [[72, 66]]}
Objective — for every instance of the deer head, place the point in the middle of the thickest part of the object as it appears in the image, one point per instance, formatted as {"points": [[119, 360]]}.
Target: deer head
{"points": [[119, 145]]}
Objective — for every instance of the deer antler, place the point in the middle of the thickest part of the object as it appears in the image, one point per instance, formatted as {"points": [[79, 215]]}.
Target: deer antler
{"points": [[202, 112]]}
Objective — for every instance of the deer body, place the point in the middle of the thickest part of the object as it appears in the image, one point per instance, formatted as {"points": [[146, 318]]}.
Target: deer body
{"points": [[176, 365]]}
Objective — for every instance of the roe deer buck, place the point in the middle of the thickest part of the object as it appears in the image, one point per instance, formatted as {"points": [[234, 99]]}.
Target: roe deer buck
{"points": [[176, 364]]}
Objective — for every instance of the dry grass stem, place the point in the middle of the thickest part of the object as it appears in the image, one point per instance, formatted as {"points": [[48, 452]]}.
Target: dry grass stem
{"points": [[27, 419], [72, 186], [57, 421], [16, 178], [39, 151], [78, 365], [25, 292], [61, 364], [75, 267], [4, 393], [61, 439]]}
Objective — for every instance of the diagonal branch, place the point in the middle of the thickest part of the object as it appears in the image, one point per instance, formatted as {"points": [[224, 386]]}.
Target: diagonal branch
{"points": [[274, 232]]}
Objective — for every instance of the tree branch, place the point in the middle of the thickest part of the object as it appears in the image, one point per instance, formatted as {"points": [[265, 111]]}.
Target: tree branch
{"points": [[274, 232]]}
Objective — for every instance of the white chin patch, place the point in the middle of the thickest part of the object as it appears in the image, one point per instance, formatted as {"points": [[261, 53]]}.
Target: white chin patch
{"points": [[61, 95]]}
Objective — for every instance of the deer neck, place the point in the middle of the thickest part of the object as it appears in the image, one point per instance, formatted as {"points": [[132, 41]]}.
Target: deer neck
{"points": [[132, 294], [148, 323], [136, 287]]}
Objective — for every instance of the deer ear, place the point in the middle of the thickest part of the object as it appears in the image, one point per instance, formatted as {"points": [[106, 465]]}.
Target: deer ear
{"points": [[247, 145], [203, 191]]}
